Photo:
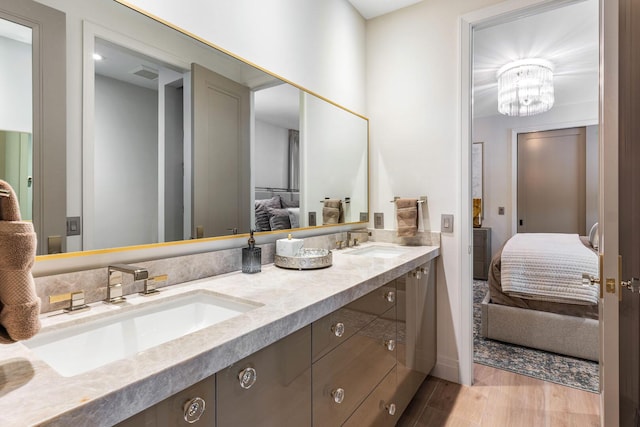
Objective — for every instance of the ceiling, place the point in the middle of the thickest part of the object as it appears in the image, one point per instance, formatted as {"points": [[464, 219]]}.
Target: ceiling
{"points": [[372, 8], [565, 36]]}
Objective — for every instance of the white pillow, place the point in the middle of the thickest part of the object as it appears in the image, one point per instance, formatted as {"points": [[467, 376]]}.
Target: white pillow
{"points": [[593, 236]]}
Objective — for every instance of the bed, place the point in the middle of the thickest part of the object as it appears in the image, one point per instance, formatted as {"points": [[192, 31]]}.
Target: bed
{"points": [[537, 297]]}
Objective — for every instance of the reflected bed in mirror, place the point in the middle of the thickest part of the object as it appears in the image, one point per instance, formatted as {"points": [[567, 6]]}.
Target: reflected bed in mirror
{"points": [[151, 170]]}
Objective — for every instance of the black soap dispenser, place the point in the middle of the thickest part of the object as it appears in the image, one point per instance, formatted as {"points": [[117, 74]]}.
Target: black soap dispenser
{"points": [[251, 257]]}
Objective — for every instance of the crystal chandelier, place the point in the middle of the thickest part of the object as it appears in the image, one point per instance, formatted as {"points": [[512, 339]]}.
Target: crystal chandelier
{"points": [[525, 87]]}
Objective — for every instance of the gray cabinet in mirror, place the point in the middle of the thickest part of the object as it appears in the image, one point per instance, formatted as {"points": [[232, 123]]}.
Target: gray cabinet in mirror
{"points": [[142, 163]]}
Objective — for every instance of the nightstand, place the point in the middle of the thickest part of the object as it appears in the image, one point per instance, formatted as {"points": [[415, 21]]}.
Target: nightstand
{"points": [[481, 252]]}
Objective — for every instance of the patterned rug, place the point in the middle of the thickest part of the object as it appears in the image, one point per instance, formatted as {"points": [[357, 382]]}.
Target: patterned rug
{"points": [[569, 371]]}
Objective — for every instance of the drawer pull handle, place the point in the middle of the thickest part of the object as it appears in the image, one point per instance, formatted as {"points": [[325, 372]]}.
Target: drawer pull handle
{"points": [[338, 395], [338, 329], [391, 409], [193, 409], [417, 274], [390, 296], [247, 378], [390, 344]]}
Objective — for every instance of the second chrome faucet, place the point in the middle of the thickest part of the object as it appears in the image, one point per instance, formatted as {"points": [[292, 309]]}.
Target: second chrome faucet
{"points": [[114, 283]]}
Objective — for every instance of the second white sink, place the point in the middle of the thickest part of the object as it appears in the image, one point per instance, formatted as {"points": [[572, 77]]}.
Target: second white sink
{"points": [[81, 348], [379, 251]]}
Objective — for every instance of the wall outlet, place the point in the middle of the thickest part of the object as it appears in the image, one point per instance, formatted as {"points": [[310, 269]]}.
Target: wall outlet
{"points": [[312, 219], [500, 210], [446, 223], [378, 220]]}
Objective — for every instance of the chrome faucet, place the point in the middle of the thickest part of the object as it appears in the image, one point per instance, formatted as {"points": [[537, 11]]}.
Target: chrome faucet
{"points": [[114, 283]]}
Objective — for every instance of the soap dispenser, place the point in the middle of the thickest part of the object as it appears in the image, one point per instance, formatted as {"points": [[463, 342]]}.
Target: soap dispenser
{"points": [[251, 257]]}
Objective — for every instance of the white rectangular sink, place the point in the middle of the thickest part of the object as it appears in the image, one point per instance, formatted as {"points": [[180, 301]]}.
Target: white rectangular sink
{"points": [[379, 251], [81, 348]]}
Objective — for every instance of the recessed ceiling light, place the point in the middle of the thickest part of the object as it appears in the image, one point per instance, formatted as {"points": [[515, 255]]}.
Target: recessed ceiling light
{"points": [[98, 57]]}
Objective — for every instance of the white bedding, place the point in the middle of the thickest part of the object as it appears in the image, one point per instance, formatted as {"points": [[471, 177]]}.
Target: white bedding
{"points": [[549, 267]]}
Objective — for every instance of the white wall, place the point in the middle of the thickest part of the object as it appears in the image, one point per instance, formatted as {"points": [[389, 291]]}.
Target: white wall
{"points": [[15, 86], [496, 133], [412, 88], [271, 157], [126, 152]]}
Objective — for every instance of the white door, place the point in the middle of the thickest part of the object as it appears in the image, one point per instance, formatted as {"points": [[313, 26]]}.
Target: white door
{"points": [[220, 155], [608, 212]]}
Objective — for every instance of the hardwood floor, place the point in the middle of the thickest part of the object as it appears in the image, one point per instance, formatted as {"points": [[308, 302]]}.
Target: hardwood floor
{"points": [[500, 398]]}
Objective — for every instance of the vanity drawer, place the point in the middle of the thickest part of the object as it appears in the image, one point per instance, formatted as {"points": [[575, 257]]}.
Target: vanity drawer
{"points": [[376, 302], [281, 392], [337, 327], [379, 409], [171, 411], [355, 367]]}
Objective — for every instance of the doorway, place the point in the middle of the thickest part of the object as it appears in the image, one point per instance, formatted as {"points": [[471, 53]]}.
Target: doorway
{"points": [[535, 33]]}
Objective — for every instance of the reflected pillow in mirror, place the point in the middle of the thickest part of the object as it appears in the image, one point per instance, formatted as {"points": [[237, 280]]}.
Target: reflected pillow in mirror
{"points": [[294, 217], [262, 212], [289, 203], [279, 219]]}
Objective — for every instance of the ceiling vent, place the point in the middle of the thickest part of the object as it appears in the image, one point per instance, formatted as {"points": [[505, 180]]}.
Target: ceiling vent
{"points": [[145, 72]]}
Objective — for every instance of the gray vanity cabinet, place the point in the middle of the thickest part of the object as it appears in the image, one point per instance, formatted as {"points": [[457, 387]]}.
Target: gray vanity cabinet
{"points": [[193, 406], [366, 359], [272, 387], [416, 331], [351, 368]]}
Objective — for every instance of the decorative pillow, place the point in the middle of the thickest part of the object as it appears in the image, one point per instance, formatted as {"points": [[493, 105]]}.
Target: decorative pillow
{"points": [[262, 212], [594, 239], [279, 219], [290, 203], [294, 217]]}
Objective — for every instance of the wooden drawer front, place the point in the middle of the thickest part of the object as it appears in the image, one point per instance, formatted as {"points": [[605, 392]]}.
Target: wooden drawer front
{"points": [[376, 302], [326, 331], [352, 318], [479, 238], [281, 394], [356, 366], [171, 411], [377, 409]]}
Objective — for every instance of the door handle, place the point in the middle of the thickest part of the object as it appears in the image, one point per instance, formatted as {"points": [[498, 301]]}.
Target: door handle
{"points": [[632, 285]]}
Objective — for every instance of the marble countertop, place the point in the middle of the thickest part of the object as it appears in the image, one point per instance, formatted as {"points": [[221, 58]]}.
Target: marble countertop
{"points": [[32, 393]]}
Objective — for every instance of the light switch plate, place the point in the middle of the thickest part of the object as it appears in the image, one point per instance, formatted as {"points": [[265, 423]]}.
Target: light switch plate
{"points": [[364, 216], [312, 219], [500, 210], [446, 224], [73, 226], [378, 220]]}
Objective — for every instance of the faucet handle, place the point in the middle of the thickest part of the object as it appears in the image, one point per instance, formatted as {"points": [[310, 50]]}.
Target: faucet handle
{"points": [[76, 301], [150, 285]]}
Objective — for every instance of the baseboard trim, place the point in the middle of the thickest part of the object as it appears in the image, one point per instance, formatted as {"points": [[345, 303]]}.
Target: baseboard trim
{"points": [[447, 369]]}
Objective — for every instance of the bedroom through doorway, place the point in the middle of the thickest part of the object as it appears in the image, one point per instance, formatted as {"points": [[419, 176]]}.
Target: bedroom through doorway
{"points": [[539, 177]]}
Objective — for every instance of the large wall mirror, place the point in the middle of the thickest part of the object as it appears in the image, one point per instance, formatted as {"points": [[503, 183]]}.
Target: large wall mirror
{"points": [[177, 140]]}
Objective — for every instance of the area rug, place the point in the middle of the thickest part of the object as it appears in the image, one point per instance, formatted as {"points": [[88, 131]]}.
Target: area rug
{"points": [[569, 371]]}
